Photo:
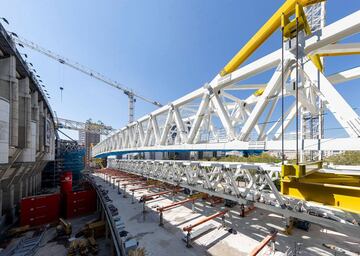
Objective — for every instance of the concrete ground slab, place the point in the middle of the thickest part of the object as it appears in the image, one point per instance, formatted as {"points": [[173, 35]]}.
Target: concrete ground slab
{"points": [[250, 230]]}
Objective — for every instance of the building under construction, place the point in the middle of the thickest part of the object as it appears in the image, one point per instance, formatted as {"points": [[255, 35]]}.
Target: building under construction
{"points": [[243, 165], [88, 140]]}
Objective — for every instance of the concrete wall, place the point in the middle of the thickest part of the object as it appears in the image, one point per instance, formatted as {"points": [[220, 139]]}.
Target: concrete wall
{"points": [[31, 142]]}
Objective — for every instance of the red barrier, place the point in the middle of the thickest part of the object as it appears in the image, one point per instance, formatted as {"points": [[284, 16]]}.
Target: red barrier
{"points": [[39, 210], [80, 203], [66, 182]]}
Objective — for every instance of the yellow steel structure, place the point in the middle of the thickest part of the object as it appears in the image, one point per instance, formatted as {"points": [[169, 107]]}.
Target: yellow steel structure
{"points": [[259, 92], [337, 54], [98, 161], [198, 195], [287, 9], [291, 28], [337, 190], [317, 62]]}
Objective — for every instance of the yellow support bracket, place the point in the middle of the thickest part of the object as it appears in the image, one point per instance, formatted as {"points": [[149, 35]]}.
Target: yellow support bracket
{"points": [[317, 62], [274, 23], [259, 92], [336, 190], [198, 195], [289, 27], [98, 161], [337, 54]]}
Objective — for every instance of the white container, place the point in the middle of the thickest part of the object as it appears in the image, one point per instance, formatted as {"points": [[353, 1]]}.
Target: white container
{"points": [[4, 130]]}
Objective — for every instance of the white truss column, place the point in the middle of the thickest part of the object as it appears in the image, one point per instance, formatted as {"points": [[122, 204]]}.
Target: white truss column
{"points": [[1, 202], [263, 127], [180, 124], [166, 127], [288, 119], [272, 86], [141, 133], [131, 136], [342, 111], [126, 136], [155, 129], [222, 113], [148, 133], [199, 117]]}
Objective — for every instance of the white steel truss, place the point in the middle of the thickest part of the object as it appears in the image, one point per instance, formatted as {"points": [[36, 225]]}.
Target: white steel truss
{"points": [[244, 183], [218, 116]]}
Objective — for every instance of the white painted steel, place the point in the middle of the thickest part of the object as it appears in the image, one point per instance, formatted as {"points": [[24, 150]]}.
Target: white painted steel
{"points": [[244, 183], [214, 117]]}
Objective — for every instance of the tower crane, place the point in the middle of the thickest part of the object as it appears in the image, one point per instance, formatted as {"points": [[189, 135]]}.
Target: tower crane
{"points": [[87, 71]]}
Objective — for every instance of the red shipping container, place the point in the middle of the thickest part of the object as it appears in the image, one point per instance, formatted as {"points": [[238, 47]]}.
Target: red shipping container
{"points": [[38, 210]]}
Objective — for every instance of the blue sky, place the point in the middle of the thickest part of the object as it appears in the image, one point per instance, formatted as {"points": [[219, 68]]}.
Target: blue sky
{"points": [[162, 49]]}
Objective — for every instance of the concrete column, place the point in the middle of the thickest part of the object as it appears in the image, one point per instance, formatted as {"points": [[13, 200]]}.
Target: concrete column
{"points": [[35, 115], [10, 91], [20, 190], [26, 186], [38, 181], [41, 126], [1, 202], [46, 147], [14, 110], [25, 131], [30, 186], [11, 202], [38, 123], [36, 176], [34, 185]]}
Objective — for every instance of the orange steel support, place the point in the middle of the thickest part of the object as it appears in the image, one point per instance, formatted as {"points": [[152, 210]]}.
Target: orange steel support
{"points": [[140, 188], [122, 180], [189, 228], [150, 196], [246, 210], [171, 206], [263, 243], [145, 187], [147, 198], [128, 179], [134, 183]]}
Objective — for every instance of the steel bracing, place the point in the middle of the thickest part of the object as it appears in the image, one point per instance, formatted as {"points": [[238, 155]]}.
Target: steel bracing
{"points": [[244, 183], [62, 123], [230, 113]]}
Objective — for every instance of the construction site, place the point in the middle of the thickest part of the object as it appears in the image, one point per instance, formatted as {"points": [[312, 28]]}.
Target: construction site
{"points": [[262, 159]]}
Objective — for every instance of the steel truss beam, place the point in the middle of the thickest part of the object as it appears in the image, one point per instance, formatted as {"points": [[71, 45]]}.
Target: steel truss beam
{"points": [[214, 118], [240, 182]]}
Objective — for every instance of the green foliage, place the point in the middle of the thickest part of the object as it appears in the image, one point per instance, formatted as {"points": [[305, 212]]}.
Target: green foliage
{"points": [[347, 158], [263, 158]]}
